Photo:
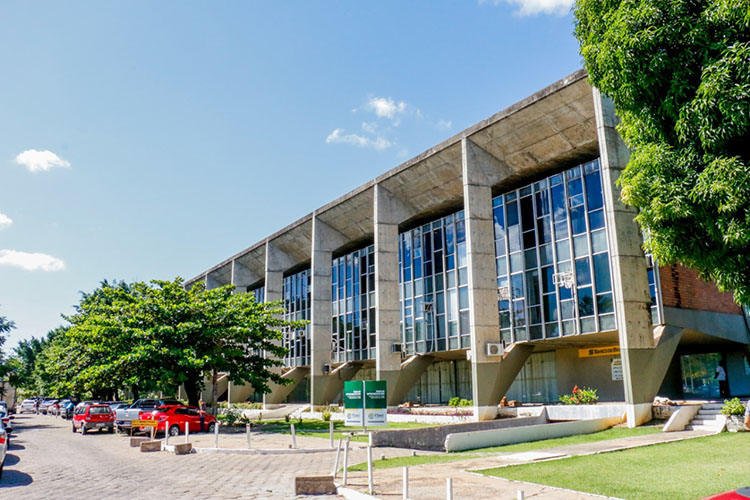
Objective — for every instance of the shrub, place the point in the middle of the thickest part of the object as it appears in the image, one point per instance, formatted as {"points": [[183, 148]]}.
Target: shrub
{"points": [[585, 396], [465, 402], [733, 407], [229, 418], [286, 418], [454, 401], [326, 415]]}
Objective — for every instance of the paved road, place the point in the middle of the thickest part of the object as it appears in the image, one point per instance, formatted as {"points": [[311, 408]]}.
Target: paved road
{"points": [[46, 460]]}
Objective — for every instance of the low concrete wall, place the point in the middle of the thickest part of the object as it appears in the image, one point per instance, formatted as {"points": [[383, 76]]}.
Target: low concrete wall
{"points": [[520, 411], [434, 438], [681, 418], [499, 437], [584, 412]]}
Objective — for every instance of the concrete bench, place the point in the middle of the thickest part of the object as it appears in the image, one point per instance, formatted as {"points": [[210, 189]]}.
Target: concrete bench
{"points": [[314, 485]]}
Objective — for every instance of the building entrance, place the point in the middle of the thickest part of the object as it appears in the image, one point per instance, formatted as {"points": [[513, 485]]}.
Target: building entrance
{"points": [[698, 371]]}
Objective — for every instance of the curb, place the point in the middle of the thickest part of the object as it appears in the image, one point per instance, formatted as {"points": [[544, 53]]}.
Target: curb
{"points": [[255, 451], [351, 494]]}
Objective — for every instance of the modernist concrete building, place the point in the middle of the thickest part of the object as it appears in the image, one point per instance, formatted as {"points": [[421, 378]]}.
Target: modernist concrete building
{"points": [[500, 261]]}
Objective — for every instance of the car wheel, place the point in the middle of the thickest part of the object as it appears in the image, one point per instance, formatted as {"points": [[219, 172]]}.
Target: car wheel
{"points": [[111, 430], [1, 468], [83, 429], [174, 430], [74, 428], [212, 427]]}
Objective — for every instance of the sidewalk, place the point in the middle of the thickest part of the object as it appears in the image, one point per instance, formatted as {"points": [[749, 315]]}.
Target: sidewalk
{"points": [[428, 481]]}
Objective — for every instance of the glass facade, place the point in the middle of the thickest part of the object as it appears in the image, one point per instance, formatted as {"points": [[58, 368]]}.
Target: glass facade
{"points": [[434, 292], [654, 289], [353, 306], [296, 297], [553, 269], [259, 292]]}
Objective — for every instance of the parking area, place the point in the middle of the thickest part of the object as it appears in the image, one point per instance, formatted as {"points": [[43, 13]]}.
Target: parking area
{"points": [[46, 460]]}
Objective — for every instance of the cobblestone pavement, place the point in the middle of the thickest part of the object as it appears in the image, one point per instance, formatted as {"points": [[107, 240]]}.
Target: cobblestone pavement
{"points": [[46, 460]]}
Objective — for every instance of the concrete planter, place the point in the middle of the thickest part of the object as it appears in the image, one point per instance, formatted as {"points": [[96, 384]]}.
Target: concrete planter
{"points": [[736, 423], [584, 412]]}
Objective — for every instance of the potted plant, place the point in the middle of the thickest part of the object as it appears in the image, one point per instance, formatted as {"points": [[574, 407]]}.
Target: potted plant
{"points": [[735, 412]]}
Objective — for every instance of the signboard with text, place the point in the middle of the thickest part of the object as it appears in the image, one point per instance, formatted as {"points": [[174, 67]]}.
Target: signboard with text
{"points": [[590, 352], [616, 368], [365, 403]]}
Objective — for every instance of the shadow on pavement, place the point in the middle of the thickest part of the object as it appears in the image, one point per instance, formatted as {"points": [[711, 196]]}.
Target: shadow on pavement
{"points": [[15, 446], [23, 428], [13, 478], [11, 459]]}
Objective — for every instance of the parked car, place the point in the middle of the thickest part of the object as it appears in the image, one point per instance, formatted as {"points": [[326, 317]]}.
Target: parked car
{"points": [[738, 494], [180, 417], [66, 408], [3, 447], [45, 404], [27, 406], [125, 416], [93, 416], [116, 405], [6, 419]]}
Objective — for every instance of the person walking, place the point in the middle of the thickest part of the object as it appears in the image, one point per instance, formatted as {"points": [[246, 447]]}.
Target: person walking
{"points": [[721, 377]]}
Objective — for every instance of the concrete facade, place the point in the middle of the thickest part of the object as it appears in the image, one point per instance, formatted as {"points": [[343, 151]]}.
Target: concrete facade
{"points": [[449, 195]]}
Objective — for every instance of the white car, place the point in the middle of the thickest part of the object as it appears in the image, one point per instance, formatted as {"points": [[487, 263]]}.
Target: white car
{"points": [[28, 405]]}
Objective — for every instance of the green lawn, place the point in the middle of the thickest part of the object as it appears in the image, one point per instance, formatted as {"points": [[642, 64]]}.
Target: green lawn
{"points": [[689, 469], [613, 433]]}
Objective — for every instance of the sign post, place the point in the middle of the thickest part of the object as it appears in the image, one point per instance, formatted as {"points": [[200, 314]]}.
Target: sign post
{"points": [[365, 403]]}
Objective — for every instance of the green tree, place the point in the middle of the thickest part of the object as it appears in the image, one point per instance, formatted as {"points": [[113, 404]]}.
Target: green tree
{"points": [[5, 366], [678, 72]]}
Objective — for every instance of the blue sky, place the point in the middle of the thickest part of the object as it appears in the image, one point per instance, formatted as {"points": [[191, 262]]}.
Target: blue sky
{"points": [[143, 140]]}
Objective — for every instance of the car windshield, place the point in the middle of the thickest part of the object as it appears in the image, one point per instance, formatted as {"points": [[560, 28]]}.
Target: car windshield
{"points": [[98, 410]]}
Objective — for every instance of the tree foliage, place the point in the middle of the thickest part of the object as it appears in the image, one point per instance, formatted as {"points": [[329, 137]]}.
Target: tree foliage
{"points": [[678, 72], [151, 337]]}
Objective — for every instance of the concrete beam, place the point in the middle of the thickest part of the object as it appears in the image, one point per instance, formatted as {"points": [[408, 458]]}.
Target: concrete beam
{"points": [[629, 273], [334, 383], [324, 241], [400, 382], [243, 276], [279, 393]]}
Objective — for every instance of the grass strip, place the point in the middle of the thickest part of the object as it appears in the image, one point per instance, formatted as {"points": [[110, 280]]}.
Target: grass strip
{"points": [[693, 468]]}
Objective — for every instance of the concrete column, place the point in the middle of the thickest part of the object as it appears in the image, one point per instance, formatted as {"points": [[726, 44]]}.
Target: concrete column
{"points": [[324, 240], [490, 375], [388, 211], [276, 263], [629, 276]]}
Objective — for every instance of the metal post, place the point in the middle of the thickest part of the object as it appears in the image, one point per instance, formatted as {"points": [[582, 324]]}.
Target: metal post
{"points": [[336, 463], [346, 458], [247, 432], [405, 488], [216, 435], [187, 431], [153, 432], [294, 438], [166, 433], [448, 488], [520, 495], [330, 431], [369, 469]]}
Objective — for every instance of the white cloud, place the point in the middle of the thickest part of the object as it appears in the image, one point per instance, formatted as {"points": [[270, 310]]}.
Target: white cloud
{"points": [[534, 7], [30, 261], [385, 107], [444, 124], [5, 221], [369, 127], [338, 135], [40, 161]]}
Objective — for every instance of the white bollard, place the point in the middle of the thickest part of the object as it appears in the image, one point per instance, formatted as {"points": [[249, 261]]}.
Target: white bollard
{"points": [[405, 488], [448, 488], [330, 431], [520, 495], [247, 432], [369, 468], [294, 438], [346, 458], [187, 432], [166, 433], [216, 435], [336, 463]]}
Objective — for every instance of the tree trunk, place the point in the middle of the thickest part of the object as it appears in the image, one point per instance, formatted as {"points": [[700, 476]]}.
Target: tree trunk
{"points": [[192, 392], [136, 393], [214, 395]]}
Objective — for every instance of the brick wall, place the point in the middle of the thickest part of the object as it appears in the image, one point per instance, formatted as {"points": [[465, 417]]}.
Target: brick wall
{"points": [[681, 287]]}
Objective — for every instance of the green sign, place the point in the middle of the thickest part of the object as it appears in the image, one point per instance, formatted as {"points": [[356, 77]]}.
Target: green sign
{"points": [[365, 403]]}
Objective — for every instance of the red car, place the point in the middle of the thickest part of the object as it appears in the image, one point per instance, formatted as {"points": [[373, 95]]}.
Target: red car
{"points": [[738, 494], [93, 416], [179, 417]]}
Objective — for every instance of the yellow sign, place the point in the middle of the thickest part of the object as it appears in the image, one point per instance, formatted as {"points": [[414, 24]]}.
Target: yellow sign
{"points": [[145, 423], [590, 352]]}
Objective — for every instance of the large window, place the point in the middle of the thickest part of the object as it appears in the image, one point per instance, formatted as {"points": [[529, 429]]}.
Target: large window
{"points": [[434, 292], [353, 306], [553, 268], [296, 297], [259, 292]]}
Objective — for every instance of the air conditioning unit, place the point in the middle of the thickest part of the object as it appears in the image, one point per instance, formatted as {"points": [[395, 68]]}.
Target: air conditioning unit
{"points": [[326, 369], [397, 348], [495, 349]]}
